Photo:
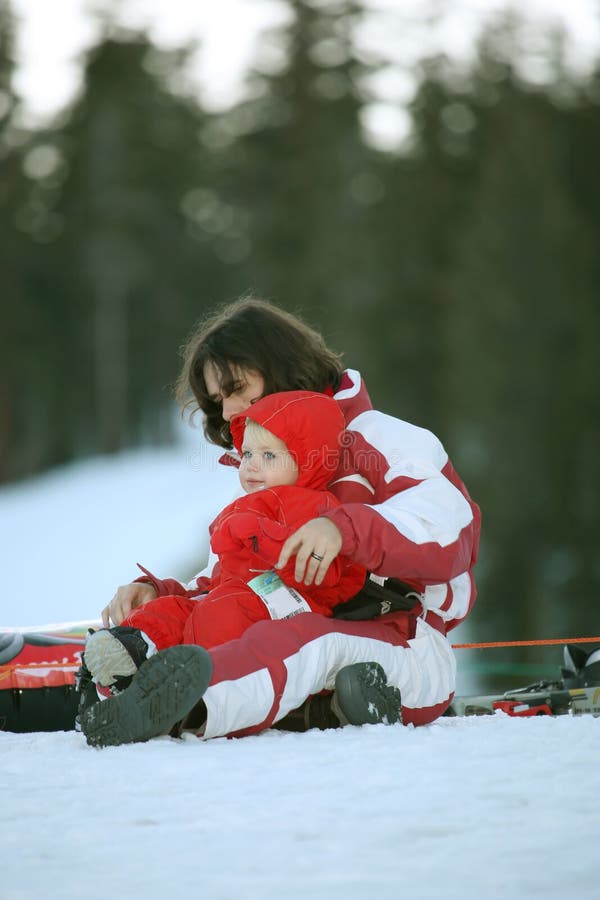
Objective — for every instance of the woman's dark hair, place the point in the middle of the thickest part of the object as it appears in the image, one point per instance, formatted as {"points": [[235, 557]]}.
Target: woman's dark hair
{"points": [[253, 334]]}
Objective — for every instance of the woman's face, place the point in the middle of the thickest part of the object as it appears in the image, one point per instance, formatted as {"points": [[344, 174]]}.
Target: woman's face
{"points": [[248, 387]]}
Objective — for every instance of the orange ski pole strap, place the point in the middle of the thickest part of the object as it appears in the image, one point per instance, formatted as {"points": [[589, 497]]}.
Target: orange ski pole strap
{"points": [[491, 644]]}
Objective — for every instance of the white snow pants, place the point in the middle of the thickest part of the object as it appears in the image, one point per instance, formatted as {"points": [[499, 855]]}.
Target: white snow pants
{"points": [[276, 665]]}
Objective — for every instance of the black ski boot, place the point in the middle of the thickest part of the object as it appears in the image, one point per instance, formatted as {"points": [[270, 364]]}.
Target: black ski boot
{"points": [[86, 689], [162, 693], [111, 658], [362, 696], [580, 668], [113, 655]]}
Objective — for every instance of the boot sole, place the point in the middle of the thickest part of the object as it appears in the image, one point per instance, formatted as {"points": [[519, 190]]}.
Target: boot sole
{"points": [[165, 689], [107, 658], [365, 698]]}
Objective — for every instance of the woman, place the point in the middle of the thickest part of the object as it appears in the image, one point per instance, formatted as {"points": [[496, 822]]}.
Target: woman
{"points": [[404, 514]]}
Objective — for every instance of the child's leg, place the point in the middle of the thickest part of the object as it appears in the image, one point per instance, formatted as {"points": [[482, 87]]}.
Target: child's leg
{"points": [[113, 655], [163, 619], [223, 615]]}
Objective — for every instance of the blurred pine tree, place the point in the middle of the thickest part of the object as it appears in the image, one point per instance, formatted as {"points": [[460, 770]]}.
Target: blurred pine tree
{"points": [[520, 312], [302, 173], [125, 266], [24, 354]]}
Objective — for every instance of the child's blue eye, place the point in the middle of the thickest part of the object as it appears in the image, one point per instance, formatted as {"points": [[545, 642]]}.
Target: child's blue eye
{"points": [[268, 454], [246, 454]]}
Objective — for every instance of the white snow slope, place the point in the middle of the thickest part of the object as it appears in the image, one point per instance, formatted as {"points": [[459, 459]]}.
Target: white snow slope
{"points": [[479, 808]]}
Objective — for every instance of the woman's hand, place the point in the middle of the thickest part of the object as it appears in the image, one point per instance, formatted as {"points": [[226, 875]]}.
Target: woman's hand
{"points": [[127, 598], [317, 538]]}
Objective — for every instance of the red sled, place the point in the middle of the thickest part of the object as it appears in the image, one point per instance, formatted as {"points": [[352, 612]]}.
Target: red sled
{"points": [[37, 676]]}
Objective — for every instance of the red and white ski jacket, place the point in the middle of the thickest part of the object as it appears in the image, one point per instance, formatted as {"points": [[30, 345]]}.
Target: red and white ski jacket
{"points": [[404, 511]]}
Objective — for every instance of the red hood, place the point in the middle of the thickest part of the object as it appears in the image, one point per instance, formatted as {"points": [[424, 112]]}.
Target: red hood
{"points": [[309, 424]]}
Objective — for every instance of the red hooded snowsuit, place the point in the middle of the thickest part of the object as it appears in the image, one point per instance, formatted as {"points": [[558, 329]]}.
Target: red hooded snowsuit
{"points": [[248, 534]]}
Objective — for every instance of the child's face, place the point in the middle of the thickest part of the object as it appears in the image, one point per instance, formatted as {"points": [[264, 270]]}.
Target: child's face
{"points": [[266, 461]]}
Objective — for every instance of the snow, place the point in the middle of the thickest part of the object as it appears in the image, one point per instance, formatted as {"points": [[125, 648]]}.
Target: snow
{"points": [[482, 808]]}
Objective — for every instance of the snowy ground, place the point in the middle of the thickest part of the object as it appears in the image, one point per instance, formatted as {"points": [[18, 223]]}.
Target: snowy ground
{"points": [[465, 808], [472, 808]]}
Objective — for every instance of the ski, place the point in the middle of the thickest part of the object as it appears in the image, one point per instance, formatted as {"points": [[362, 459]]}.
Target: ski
{"points": [[542, 699], [576, 692]]}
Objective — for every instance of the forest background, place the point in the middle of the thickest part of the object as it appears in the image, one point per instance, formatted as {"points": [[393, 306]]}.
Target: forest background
{"points": [[458, 270]]}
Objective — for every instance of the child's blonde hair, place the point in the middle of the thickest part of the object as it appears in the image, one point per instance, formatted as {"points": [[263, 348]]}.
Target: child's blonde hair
{"points": [[259, 431]]}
